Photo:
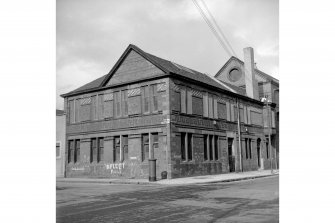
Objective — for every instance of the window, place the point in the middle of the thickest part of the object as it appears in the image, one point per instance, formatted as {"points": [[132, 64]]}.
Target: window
{"points": [[250, 153], [117, 104], [124, 102], [210, 106], [183, 149], [267, 150], [189, 146], [205, 104], [125, 148], [210, 147], [77, 151], [246, 148], [183, 100], [57, 149], [116, 150], [70, 151], [154, 98], [145, 147], [94, 115], [93, 152], [186, 146], [216, 147], [146, 108], [205, 147], [71, 111], [155, 144], [189, 101], [100, 156]]}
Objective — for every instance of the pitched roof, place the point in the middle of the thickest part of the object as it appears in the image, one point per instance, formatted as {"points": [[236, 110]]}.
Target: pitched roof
{"points": [[261, 73], [166, 66]]}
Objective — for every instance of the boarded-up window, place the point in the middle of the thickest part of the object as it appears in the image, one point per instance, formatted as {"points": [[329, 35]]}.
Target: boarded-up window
{"points": [[154, 98], [93, 152], [117, 103], [94, 108], [77, 110], [183, 100], [145, 147], [125, 148], [176, 102], [215, 108], [100, 156], [146, 100], [205, 104], [189, 101], [100, 107], [210, 106], [108, 105], [256, 118], [71, 111], [116, 149], [124, 103], [273, 119], [197, 107], [70, 151], [222, 111], [228, 111]]}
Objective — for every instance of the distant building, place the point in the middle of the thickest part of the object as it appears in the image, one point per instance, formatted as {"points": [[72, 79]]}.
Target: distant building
{"points": [[60, 143], [147, 107]]}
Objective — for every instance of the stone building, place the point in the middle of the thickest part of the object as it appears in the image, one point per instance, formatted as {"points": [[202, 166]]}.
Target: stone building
{"points": [[60, 143], [147, 107]]}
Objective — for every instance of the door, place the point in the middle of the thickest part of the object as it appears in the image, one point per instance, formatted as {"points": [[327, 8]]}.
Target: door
{"points": [[231, 158]]}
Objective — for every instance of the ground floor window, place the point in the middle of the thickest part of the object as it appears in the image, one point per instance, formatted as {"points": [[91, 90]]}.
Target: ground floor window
{"points": [[77, 151], [100, 155], [186, 146], [70, 154], [211, 147], [116, 149], [250, 153], [246, 149], [146, 140], [124, 147], [145, 147], [267, 150], [97, 149]]}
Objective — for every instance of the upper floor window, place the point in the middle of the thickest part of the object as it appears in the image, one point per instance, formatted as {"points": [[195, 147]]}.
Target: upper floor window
{"points": [[146, 100], [124, 102]]}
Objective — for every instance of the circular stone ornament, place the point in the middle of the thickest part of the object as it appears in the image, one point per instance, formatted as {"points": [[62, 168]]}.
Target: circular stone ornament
{"points": [[234, 74]]}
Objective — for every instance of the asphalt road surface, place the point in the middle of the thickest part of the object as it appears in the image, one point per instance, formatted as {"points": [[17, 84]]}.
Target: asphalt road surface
{"points": [[243, 201]]}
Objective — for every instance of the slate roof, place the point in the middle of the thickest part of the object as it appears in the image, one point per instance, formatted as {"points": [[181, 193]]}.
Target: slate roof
{"points": [[168, 67]]}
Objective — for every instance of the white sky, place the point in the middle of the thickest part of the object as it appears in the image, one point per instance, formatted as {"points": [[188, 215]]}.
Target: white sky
{"points": [[92, 35]]}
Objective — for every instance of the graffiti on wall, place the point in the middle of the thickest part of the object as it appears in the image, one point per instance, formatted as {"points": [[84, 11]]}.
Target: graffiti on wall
{"points": [[115, 168]]}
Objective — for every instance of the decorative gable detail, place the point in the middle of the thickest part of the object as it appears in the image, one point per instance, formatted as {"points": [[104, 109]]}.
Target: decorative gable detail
{"points": [[133, 67]]}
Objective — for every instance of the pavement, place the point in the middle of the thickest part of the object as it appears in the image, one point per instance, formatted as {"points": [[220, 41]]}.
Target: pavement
{"points": [[227, 177]]}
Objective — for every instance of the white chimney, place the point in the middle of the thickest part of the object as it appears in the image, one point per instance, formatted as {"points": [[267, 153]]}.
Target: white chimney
{"points": [[251, 84]]}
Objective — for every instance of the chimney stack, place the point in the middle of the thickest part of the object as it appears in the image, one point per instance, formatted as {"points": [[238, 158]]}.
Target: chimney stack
{"points": [[251, 84]]}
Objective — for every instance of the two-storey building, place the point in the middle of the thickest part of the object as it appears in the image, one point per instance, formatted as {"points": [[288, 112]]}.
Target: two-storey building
{"points": [[147, 107]]}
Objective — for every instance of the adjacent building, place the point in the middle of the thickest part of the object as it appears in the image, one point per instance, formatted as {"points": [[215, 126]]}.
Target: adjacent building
{"points": [[150, 108], [60, 143]]}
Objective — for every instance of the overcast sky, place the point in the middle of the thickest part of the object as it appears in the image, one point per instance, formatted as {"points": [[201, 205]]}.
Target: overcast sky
{"points": [[92, 35]]}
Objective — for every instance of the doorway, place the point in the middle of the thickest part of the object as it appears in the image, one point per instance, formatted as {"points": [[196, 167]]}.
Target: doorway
{"points": [[231, 158], [259, 153]]}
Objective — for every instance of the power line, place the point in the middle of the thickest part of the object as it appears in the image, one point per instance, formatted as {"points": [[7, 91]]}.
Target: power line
{"points": [[212, 28], [217, 26]]}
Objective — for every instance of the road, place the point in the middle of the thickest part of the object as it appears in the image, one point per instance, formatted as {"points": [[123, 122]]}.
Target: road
{"points": [[243, 201]]}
